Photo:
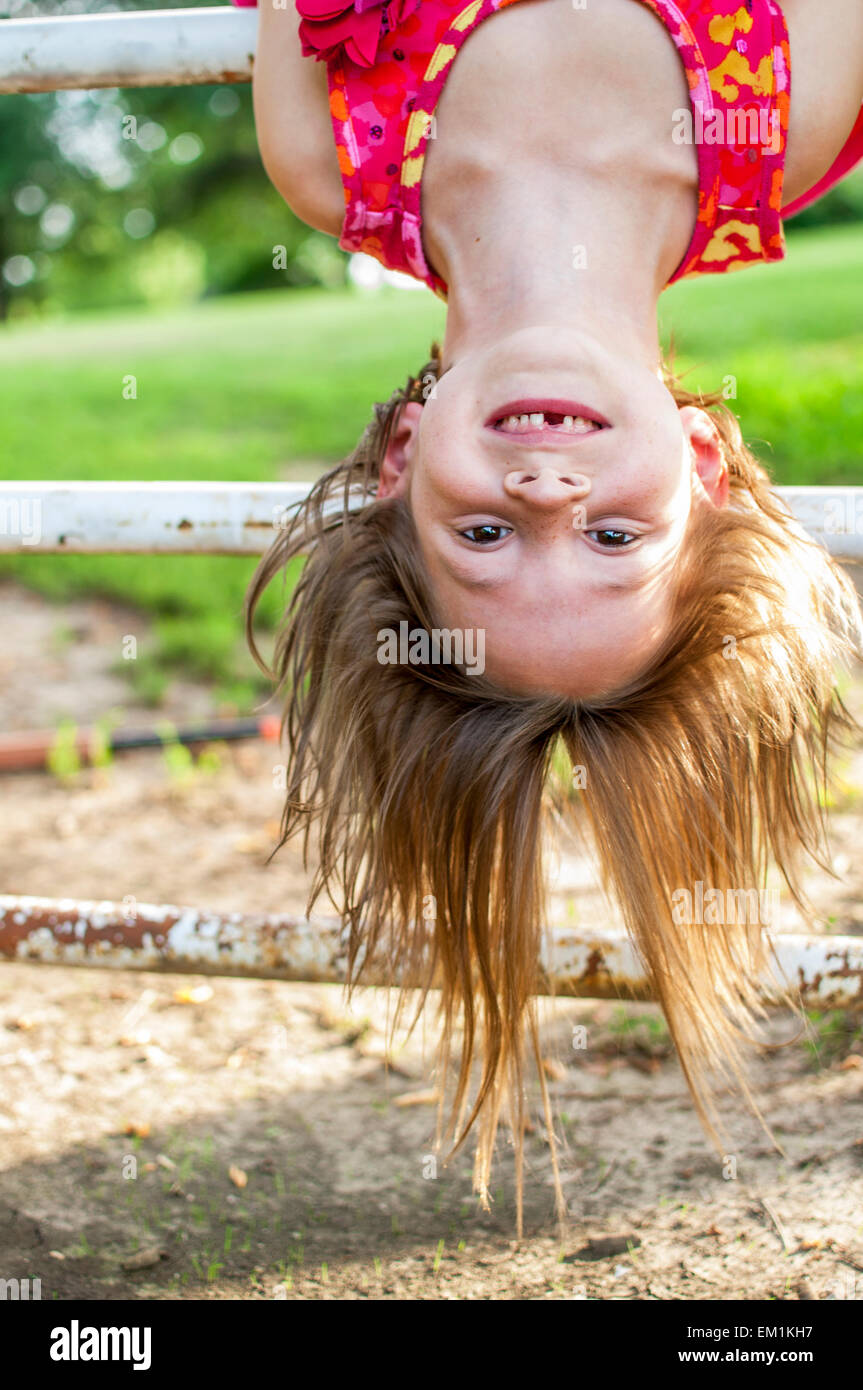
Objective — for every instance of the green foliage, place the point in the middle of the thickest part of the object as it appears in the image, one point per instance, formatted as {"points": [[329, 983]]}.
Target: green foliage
{"points": [[150, 196], [63, 759], [834, 1035], [100, 753], [791, 337], [176, 756]]}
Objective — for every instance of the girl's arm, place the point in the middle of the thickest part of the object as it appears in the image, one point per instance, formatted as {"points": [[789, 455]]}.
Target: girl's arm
{"points": [[292, 117], [826, 42]]}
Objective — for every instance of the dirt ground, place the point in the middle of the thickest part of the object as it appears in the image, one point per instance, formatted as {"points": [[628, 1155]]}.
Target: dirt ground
{"points": [[170, 1137]]}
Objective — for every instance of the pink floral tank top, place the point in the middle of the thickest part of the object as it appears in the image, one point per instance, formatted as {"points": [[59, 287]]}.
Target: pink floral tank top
{"points": [[387, 64]]}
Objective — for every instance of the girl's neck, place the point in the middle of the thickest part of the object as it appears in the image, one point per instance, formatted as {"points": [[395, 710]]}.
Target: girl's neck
{"points": [[525, 248], [551, 195]]}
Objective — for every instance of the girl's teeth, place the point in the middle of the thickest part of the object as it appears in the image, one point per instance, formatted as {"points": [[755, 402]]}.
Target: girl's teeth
{"points": [[573, 424]]}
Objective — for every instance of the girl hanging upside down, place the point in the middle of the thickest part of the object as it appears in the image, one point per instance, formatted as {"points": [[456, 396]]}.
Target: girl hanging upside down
{"points": [[650, 612]]}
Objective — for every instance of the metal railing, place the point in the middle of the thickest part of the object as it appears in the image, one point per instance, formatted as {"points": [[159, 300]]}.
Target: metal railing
{"points": [[827, 970], [98, 518], [132, 48]]}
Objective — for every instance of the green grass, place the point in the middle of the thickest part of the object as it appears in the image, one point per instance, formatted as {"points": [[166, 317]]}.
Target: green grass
{"points": [[277, 385], [792, 336], [255, 387]]}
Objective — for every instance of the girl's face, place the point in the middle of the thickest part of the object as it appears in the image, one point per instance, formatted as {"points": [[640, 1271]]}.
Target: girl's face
{"points": [[551, 485]]}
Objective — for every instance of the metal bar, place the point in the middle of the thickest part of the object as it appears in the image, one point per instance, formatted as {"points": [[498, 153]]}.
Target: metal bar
{"points": [[177, 518], [828, 970], [832, 515], [138, 48], [143, 518]]}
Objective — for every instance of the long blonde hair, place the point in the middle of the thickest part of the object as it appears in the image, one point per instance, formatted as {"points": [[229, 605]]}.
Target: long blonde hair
{"points": [[428, 787]]}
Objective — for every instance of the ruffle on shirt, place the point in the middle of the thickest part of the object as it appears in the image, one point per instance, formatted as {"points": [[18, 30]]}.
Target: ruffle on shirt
{"points": [[328, 30]]}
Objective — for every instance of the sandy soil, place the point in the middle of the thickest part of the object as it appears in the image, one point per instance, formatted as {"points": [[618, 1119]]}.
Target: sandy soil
{"points": [[166, 1137]]}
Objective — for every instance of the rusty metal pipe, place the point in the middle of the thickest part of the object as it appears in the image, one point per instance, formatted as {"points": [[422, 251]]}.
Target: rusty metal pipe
{"points": [[827, 970], [132, 48]]}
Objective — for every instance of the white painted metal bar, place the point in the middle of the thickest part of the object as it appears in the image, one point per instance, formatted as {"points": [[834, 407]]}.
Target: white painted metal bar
{"points": [[833, 515], [96, 518], [100, 518], [827, 970], [131, 48]]}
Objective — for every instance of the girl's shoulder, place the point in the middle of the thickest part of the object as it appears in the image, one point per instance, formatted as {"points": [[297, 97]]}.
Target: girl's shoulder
{"points": [[826, 48]]}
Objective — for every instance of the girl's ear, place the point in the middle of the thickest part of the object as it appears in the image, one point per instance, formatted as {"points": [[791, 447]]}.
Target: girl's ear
{"points": [[395, 464], [708, 458]]}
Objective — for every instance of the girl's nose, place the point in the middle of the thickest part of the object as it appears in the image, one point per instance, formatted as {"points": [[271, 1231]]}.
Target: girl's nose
{"points": [[545, 487]]}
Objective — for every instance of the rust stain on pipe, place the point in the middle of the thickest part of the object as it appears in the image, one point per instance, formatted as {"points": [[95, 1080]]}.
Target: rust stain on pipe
{"points": [[828, 971], [30, 79], [139, 936]]}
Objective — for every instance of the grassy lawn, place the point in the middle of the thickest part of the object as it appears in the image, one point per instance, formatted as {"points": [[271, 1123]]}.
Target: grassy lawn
{"points": [[792, 336], [277, 385], [254, 387]]}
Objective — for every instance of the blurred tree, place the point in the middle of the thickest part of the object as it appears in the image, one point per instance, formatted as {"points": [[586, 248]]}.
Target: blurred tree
{"points": [[118, 197], [27, 152]]}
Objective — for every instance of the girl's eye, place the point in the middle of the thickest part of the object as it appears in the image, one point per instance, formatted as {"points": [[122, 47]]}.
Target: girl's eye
{"points": [[486, 535], [612, 539]]}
